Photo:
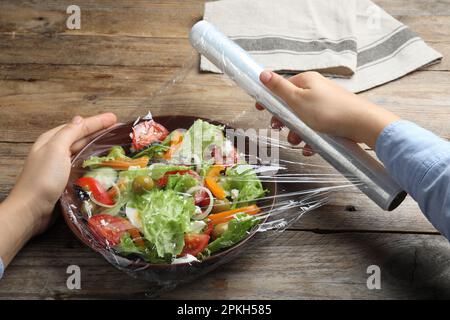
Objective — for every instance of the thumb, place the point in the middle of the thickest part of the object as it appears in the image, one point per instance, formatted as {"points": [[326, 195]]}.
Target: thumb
{"points": [[282, 87], [71, 132], [80, 128]]}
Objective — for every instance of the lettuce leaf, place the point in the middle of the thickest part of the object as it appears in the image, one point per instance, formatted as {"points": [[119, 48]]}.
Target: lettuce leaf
{"points": [[148, 253], [181, 182], [244, 179], [165, 218], [115, 153], [158, 170], [126, 178], [155, 149], [197, 140], [237, 230]]}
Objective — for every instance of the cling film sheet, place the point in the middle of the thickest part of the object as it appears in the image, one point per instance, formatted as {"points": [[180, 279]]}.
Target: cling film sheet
{"points": [[190, 181]]}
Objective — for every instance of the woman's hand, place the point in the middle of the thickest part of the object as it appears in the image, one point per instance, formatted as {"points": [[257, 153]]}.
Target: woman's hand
{"points": [[27, 211], [326, 107]]}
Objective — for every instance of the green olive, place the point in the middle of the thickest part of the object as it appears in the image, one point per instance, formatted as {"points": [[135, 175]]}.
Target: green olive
{"points": [[220, 229], [142, 184], [221, 205]]}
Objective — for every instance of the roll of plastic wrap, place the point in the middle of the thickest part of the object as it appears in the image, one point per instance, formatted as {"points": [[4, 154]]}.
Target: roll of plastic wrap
{"points": [[344, 155]]}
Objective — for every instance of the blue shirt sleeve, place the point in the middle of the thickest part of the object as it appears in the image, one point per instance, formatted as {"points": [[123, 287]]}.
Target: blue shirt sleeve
{"points": [[1, 268], [420, 162]]}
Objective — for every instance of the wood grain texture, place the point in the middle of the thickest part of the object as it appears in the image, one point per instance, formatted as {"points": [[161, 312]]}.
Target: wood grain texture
{"points": [[58, 92], [294, 265], [164, 19], [122, 60], [46, 21]]}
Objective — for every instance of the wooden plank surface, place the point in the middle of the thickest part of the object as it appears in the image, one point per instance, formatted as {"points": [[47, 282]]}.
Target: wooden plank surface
{"points": [[122, 60], [61, 91], [295, 265]]}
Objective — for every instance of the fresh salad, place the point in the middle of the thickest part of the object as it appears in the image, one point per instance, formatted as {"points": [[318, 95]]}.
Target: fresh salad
{"points": [[174, 197]]}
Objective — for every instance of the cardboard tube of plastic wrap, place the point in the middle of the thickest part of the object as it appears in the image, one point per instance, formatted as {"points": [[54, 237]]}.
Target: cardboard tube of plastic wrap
{"points": [[344, 155]]}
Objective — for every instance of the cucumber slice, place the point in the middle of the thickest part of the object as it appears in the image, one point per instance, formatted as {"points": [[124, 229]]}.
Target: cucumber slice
{"points": [[107, 177]]}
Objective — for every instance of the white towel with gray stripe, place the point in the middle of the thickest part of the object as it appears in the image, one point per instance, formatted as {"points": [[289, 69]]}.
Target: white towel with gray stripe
{"points": [[353, 41]]}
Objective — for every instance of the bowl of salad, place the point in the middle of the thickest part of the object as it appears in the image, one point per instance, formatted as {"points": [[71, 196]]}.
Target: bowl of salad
{"points": [[166, 193]]}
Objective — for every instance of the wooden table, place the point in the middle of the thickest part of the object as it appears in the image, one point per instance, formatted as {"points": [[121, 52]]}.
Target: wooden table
{"points": [[121, 60]]}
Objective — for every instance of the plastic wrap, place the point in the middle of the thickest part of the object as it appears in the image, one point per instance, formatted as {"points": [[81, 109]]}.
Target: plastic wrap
{"points": [[294, 185], [345, 155]]}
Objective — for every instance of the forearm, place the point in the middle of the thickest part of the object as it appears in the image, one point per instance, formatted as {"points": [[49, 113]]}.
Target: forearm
{"points": [[420, 162], [16, 227], [366, 121]]}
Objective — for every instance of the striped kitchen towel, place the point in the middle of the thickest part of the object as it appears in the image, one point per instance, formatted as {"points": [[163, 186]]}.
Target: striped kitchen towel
{"points": [[354, 41]]}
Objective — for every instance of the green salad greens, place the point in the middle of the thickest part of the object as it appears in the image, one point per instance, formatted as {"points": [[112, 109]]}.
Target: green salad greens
{"points": [[174, 196]]}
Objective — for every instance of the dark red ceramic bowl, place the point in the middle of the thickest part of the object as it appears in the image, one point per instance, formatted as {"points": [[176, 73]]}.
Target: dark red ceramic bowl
{"points": [[71, 204]]}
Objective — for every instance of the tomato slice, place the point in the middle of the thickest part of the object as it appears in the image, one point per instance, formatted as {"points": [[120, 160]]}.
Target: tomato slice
{"points": [[162, 182], [147, 132], [201, 198], [209, 228], [109, 229], [98, 192], [194, 244]]}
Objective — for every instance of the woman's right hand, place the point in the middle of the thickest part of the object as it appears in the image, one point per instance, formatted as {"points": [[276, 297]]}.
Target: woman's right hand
{"points": [[328, 108]]}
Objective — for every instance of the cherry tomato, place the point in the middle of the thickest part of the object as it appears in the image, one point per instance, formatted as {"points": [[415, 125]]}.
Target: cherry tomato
{"points": [[146, 133], [162, 182], [109, 229], [98, 192], [201, 198], [194, 244]]}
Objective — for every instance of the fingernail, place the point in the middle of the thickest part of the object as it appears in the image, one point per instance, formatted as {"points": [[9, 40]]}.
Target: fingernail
{"points": [[293, 138], [276, 124], [265, 76], [77, 120]]}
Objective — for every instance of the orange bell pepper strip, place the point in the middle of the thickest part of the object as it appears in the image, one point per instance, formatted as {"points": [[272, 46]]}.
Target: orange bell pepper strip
{"points": [[175, 142], [124, 164], [211, 182], [137, 238], [226, 216]]}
